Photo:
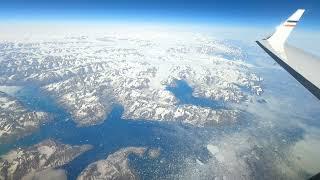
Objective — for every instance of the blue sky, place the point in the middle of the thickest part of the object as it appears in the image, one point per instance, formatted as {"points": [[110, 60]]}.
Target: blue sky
{"points": [[227, 12], [249, 19]]}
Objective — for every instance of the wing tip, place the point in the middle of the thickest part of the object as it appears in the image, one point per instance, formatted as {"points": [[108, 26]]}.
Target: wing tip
{"points": [[283, 31]]}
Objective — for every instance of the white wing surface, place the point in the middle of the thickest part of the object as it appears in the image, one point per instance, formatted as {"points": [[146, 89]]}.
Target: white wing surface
{"points": [[304, 67]]}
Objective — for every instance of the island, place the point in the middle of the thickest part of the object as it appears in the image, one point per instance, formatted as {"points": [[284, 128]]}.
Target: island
{"points": [[39, 159]]}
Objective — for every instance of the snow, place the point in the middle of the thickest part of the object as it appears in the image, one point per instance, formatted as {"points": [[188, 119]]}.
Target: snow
{"points": [[212, 149], [37, 162], [12, 155], [16, 120], [48, 174], [115, 166], [11, 90], [46, 150], [199, 162], [90, 70]]}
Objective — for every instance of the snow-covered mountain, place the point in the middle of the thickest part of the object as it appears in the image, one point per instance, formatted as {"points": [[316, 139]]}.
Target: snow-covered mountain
{"points": [[89, 72]]}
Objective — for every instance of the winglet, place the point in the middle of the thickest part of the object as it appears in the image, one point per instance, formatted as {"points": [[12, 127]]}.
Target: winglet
{"points": [[283, 31]]}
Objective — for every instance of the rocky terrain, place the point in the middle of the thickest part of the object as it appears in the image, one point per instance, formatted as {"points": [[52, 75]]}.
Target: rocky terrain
{"points": [[33, 161], [47, 174], [87, 73], [90, 73], [116, 166], [16, 120]]}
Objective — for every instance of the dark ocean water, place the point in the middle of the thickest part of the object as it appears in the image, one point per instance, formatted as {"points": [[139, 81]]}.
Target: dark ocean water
{"points": [[176, 141], [183, 92]]}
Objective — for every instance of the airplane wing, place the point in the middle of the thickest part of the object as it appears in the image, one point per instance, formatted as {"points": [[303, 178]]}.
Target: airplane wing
{"points": [[304, 67]]}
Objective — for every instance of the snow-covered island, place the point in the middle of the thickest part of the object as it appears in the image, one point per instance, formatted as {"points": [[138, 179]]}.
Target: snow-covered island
{"points": [[115, 166], [38, 159], [16, 120]]}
